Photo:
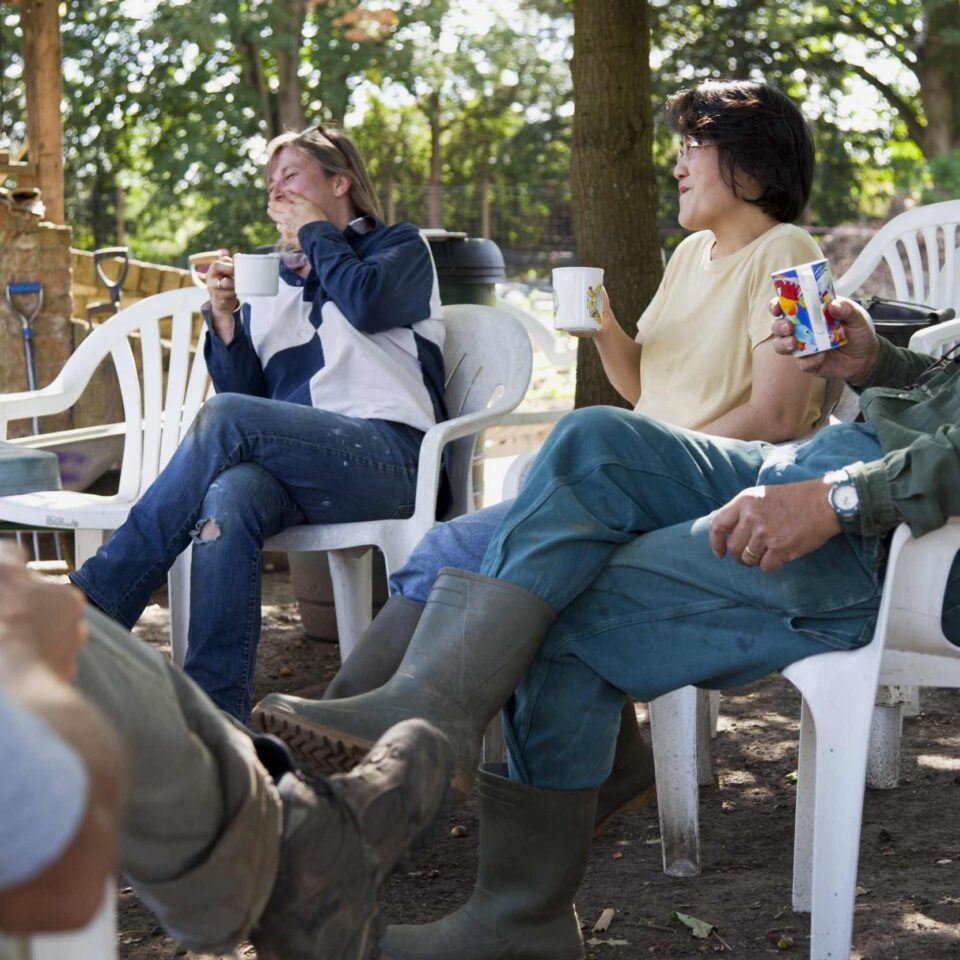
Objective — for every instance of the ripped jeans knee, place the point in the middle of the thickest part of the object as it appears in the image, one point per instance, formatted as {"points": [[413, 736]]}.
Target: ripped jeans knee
{"points": [[207, 529]]}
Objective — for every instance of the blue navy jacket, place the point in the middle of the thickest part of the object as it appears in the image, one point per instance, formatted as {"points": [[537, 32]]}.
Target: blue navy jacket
{"points": [[361, 335]]}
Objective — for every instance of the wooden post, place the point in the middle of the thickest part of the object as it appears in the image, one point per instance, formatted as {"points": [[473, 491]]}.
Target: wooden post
{"points": [[40, 22], [484, 189]]}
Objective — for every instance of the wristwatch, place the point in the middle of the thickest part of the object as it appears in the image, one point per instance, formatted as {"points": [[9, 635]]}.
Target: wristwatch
{"points": [[843, 499]]}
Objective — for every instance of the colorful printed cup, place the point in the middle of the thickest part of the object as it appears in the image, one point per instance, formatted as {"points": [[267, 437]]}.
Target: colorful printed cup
{"points": [[804, 292], [577, 298]]}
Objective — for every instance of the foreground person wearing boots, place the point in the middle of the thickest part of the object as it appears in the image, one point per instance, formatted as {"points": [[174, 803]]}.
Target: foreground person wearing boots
{"points": [[672, 558], [214, 830]]}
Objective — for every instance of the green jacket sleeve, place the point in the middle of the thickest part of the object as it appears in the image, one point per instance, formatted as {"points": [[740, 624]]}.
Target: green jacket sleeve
{"points": [[918, 484], [896, 367]]}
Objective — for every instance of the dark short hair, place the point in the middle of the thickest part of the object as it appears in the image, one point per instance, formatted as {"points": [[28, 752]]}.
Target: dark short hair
{"points": [[759, 133]]}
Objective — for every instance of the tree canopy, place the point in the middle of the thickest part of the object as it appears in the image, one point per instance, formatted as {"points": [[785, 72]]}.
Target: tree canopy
{"points": [[463, 110]]}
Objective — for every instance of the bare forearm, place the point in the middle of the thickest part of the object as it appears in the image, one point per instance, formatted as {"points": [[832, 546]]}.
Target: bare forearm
{"points": [[753, 421], [620, 356]]}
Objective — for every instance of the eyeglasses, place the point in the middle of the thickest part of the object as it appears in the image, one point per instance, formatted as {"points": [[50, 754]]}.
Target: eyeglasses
{"points": [[926, 375], [688, 145]]}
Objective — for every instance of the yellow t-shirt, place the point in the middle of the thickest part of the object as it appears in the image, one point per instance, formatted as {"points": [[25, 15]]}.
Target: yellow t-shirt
{"points": [[700, 328]]}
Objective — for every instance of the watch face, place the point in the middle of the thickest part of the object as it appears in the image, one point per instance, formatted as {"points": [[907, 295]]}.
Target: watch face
{"points": [[845, 498]]}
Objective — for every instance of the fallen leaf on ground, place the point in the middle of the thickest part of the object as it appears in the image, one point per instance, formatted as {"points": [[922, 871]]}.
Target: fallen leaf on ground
{"points": [[699, 928], [598, 942]]}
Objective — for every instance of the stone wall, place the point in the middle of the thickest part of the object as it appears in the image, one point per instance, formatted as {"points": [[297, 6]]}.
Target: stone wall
{"points": [[34, 250]]}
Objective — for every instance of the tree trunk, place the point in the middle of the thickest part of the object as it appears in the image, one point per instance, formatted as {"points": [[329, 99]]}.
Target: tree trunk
{"points": [[483, 188], [435, 186], [938, 70], [612, 175], [290, 113]]}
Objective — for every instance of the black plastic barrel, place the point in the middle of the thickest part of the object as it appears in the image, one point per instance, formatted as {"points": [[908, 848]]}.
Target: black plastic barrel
{"points": [[468, 268]]}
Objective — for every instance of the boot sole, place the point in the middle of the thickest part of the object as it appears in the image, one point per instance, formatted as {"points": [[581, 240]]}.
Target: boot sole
{"points": [[334, 751], [329, 751], [637, 802]]}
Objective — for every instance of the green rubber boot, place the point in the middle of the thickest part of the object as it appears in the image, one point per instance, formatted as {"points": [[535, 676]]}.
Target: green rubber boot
{"points": [[632, 783], [534, 846], [474, 642], [379, 651]]}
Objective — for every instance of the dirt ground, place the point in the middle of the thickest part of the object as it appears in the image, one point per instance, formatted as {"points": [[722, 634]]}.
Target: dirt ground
{"points": [[908, 906]]}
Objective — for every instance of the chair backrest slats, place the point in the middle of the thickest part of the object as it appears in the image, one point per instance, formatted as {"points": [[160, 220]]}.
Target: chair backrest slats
{"points": [[934, 274], [948, 290], [151, 355], [132, 398], [898, 275], [487, 357], [181, 336], [199, 386]]}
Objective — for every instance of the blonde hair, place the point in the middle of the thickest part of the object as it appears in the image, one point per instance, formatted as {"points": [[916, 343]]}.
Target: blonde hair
{"points": [[336, 153]]}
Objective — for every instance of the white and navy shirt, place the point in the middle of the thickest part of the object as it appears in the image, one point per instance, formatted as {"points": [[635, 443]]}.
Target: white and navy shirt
{"points": [[361, 335]]}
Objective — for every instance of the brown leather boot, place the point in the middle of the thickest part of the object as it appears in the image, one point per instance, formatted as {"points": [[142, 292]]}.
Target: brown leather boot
{"points": [[342, 836], [632, 783]]}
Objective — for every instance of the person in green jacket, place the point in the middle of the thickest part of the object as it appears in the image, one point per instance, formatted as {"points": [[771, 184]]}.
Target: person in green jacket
{"points": [[639, 558]]}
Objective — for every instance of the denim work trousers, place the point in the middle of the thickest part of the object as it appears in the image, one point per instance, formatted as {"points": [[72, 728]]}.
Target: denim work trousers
{"points": [[252, 467], [459, 543], [611, 529], [202, 821]]}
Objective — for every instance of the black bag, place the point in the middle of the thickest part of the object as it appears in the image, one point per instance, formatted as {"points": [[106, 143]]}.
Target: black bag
{"points": [[898, 320], [899, 311]]}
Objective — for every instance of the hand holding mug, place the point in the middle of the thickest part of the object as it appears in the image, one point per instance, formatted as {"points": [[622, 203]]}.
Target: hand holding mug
{"points": [[607, 320], [852, 362], [223, 297]]}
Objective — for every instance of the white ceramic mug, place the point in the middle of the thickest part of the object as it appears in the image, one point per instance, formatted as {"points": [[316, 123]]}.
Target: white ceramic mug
{"points": [[256, 274], [577, 298]]}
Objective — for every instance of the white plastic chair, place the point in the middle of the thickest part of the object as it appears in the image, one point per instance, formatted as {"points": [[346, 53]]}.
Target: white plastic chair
{"points": [[96, 941], [157, 411], [487, 357], [921, 249]]}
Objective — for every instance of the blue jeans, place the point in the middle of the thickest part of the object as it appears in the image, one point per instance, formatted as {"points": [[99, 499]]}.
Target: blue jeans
{"points": [[459, 543], [611, 529], [253, 467]]}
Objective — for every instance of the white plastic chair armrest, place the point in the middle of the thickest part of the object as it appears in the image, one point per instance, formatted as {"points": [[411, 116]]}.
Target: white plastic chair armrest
{"points": [[34, 403], [431, 453], [919, 567]]}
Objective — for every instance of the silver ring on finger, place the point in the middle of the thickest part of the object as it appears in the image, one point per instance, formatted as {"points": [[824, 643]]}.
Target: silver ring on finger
{"points": [[755, 557]]}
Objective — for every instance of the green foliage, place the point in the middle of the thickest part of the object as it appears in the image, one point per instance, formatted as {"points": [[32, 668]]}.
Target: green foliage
{"points": [[172, 111], [945, 173]]}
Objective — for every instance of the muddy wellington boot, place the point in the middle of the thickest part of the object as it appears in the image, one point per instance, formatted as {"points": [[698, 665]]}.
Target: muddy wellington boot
{"points": [[379, 651], [534, 846], [342, 836], [632, 783], [474, 642]]}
